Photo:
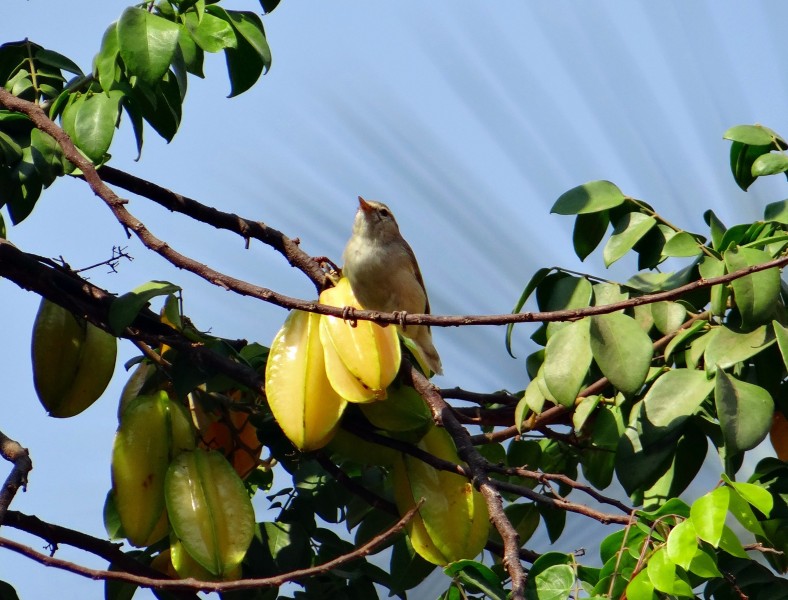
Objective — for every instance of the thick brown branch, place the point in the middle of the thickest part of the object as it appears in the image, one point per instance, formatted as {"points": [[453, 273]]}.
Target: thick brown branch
{"points": [[246, 228], [208, 586], [55, 535], [62, 286], [19, 457]]}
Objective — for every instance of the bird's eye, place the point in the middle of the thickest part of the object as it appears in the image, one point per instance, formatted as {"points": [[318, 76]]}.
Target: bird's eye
{"points": [[384, 213]]}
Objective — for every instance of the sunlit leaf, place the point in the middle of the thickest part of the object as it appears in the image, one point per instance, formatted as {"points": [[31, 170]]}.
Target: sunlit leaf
{"points": [[621, 349], [770, 164], [728, 347], [147, 43], [590, 197], [567, 358], [755, 294], [627, 231], [708, 515]]}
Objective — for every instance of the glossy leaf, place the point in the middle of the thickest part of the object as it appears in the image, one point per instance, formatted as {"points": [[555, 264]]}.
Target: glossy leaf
{"points": [[211, 33], [681, 244], [776, 211], [753, 135], [671, 400], [627, 231], [477, 577], [770, 164], [682, 544], [567, 359], [745, 412], [537, 278], [681, 339], [668, 316], [94, 123], [708, 515], [641, 588], [781, 333], [727, 347], [125, 309], [755, 294], [554, 583], [709, 268], [589, 230], [147, 43], [590, 197], [621, 349], [742, 157], [663, 575]]}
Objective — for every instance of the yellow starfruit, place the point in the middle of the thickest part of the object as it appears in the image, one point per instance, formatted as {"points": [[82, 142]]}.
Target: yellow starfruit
{"points": [[453, 522], [153, 430], [299, 394], [361, 360]]}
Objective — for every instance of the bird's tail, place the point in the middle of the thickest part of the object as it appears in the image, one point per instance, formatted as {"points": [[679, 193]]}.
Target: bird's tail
{"points": [[418, 339]]}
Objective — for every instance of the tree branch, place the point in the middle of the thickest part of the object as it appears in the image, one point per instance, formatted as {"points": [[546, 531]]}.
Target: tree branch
{"points": [[129, 222], [14, 453], [209, 586], [246, 228]]}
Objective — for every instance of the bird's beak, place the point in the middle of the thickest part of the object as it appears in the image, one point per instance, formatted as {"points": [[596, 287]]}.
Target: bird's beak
{"points": [[364, 205]]}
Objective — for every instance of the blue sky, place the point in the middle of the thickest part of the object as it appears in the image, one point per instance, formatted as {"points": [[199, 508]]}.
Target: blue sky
{"points": [[469, 119]]}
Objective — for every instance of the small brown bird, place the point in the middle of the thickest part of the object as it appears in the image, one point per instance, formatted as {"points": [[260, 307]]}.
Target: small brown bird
{"points": [[384, 274]]}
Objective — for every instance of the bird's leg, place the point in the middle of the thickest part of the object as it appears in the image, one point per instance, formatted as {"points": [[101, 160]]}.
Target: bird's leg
{"points": [[349, 316], [401, 314]]}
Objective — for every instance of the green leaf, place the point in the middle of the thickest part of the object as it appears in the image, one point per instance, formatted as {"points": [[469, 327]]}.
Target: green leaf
{"points": [[627, 231], [708, 515], [147, 44], [682, 544], [567, 359], [105, 63], [537, 278], [776, 211], [609, 293], [125, 309], [583, 410], [745, 412], [753, 135], [682, 244], [704, 565], [621, 349], [770, 164], [668, 316], [57, 60], [554, 583], [681, 338], [716, 227], [524, 518], [755, 294], [589, 230], [477, 578], [94, 123], [742, 158], [730, 542], [727, 347], [641, 588], [638, 466], [740, 509], [407, 568], [47, 156], [211, 33], [690, 452], [672, 399], [252, 57], [709, 268], [781, 334], [662, 573], [591, 197], [755, 495]]}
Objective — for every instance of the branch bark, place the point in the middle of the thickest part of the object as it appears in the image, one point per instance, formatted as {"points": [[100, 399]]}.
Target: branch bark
{"points": [[19, 457]]}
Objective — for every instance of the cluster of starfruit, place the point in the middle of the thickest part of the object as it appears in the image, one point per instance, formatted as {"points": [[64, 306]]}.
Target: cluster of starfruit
{"points": [[73, 360], [177, 476], [317, 365], [178, 465]]}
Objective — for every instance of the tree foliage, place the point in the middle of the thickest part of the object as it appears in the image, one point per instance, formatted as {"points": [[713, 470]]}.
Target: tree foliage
{"points": [[633, 381]]}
